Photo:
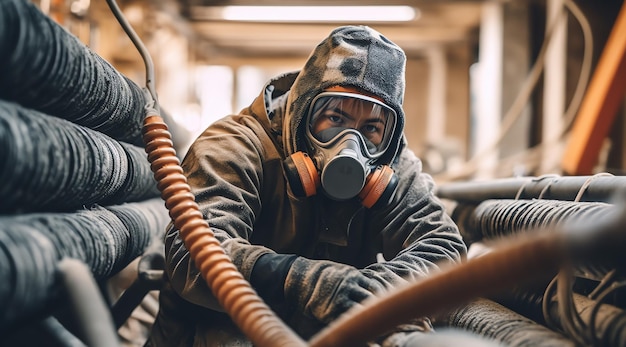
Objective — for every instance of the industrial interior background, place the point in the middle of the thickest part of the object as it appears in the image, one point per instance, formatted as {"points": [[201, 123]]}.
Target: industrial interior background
{"points": [[515, 107]]}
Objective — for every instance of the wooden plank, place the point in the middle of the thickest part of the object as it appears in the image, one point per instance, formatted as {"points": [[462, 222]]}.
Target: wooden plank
{"points": [[600, 104]]}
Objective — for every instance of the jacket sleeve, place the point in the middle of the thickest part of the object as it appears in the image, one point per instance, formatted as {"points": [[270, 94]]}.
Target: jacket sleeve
{"points": [[224, 168], [417, 235]]}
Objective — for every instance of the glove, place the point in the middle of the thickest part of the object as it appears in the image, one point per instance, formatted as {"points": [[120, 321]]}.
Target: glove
{"points": [[269, 274], [404, 335], [324, 289]]}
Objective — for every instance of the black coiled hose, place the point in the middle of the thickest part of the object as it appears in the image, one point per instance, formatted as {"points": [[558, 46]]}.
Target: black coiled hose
{"points": [[44, 67], [105, 238], [494, 219], [75, 180], [497, 218], [50, 164]]}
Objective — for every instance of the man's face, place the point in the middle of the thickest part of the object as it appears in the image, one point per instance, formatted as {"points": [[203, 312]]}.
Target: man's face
{"points": [[366, 118], [333, 111]]}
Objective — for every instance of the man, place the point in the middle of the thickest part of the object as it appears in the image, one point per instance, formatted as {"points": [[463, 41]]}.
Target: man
{"points": [[313, 194]]}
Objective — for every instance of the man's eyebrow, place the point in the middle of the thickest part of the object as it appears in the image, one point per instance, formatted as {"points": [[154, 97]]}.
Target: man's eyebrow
{"points": [[343, 113], [376, 120]]}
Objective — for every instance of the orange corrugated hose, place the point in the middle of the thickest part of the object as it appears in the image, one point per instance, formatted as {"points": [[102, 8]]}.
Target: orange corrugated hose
{"points": [[232, 291], [255, 319]]}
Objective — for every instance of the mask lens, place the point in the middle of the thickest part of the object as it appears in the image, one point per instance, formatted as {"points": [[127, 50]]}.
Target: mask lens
{"points": [[332, 113]]}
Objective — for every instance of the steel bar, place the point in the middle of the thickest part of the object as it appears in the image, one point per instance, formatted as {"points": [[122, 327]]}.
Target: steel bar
{"points": [[598, 188]]}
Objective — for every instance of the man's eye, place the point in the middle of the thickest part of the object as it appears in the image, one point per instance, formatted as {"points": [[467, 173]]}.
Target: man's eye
{"points": [[335, 118], [371, 128]]}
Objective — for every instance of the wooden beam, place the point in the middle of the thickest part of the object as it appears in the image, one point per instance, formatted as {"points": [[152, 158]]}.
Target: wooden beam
{"points": [[600, 104]]}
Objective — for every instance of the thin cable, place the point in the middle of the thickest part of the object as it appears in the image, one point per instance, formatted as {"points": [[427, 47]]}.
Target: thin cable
{"points": [[143, 51], [545, 304], [533, 181], [587, 183], [608, 278], [585, 69], [583, 78], [595, 340], [547, 187], [531, 156], [515, 110], [570, 319]]}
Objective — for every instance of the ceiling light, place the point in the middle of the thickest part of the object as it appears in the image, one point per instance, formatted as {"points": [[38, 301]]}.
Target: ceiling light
{"points": [[312, 13]]}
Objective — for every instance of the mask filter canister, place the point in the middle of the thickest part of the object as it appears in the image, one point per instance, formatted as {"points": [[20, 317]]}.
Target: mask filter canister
{"points": [[344, 175]]}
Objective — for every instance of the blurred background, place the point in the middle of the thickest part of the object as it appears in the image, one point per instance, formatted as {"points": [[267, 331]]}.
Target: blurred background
{"points": [[515, 107], [494, 88]]}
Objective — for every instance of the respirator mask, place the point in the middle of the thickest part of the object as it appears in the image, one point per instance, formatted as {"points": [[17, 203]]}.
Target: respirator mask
{"points": [[346, 133]]}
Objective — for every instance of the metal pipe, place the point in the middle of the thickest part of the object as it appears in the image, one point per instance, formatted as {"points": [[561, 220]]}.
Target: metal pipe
{"points": [[88, 304], [150, 277], [595, 188]]}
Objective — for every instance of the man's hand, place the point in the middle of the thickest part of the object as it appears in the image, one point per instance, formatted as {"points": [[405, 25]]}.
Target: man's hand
{"points": [[324, 289]]}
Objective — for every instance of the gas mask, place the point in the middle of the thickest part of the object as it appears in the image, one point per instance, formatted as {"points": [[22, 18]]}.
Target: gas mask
{"points": [[346, 134]]}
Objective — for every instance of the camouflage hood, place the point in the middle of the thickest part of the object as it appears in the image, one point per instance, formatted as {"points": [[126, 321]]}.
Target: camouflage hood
{"points": [[355, 56]]}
